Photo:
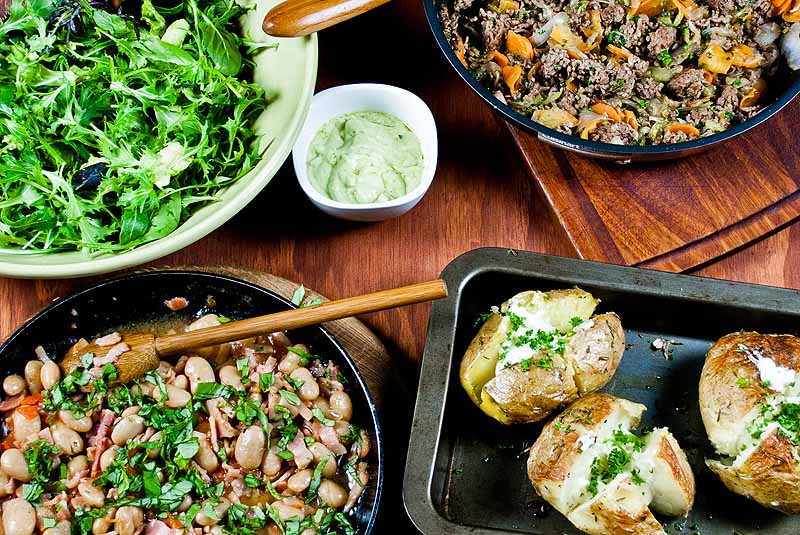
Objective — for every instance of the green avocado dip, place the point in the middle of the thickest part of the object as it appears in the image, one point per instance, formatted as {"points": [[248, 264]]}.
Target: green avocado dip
{"points": [[365, 157]]}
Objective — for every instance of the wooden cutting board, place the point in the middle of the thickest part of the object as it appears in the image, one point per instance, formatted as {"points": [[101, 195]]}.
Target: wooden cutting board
{"points": [[673, 216], [362, 345]]}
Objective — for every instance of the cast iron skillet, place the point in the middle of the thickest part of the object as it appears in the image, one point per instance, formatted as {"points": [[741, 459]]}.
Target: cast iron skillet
{"points": [[782, 92], [135, 299]]}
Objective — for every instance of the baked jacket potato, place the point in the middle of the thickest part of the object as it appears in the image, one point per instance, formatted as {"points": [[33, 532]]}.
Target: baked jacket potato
{"points": [[750, 404], [603, 478], [539, 351]]}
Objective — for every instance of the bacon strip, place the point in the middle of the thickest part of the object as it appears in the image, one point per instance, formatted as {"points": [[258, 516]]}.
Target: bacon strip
{"points": [[301, 453], [176, 303], [10, 403], [107, 418], [327, 435], [109, 340]]}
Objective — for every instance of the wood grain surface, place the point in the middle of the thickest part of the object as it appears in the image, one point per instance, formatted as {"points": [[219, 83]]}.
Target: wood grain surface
{"points": [[676, 215], [481, 196]]}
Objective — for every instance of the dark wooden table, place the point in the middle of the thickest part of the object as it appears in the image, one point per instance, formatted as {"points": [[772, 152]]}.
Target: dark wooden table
{"points": [[481, 196]]}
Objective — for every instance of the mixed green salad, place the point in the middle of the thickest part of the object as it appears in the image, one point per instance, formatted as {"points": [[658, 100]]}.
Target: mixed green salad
{"points": [[117, 122]]}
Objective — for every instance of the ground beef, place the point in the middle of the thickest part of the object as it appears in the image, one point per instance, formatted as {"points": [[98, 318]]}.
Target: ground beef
{"points": [[462, 5], [493, 29], [634, 30], [638, 65], [622, 80], [699, 116], [674, 137], [728, 99], [616, 133], [612, 15], [648, 88], [554, 62], [590, 73], [722, 6], [660, 40], [573, 103], [687, 84]]}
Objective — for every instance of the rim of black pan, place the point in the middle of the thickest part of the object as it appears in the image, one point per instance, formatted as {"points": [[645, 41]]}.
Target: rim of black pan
{"points": [[595, 146]]}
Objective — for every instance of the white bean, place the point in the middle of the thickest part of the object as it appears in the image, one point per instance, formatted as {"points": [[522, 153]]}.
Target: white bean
{"points": [[81, 425], [300, 480], [19, 517], [108, 457], [198, 370], [290, 361], [181, 382], [33, 376], [50, 374], [103, 524], [185, 503], [24, 426], [91, 495], [152, 453], [176, 397], [287, 511], [332, 493], [14, 385], [127, 428], [320, 451], [65, 438], [271, 464], [229, 375], [77, 465], [127, 519], [14, 464], [219, 510], [205, 456], [341, 406], [249, 448], [7, 485], [309, 390], [61, 528]]}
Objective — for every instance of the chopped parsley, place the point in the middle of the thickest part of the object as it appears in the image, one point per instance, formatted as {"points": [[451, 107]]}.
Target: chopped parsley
{"points": [[742, 383], [617, 85], [605, 468], [665, 58], [616, 37]]}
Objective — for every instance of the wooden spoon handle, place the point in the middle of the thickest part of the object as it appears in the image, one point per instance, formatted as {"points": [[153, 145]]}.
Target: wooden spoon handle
{"points": [[301, 317], [295, 18]]}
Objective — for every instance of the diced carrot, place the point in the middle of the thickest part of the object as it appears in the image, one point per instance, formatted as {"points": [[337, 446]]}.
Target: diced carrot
{"points": [[173, 522], [519, 46], [630, 119], [512, 76], [508, 5], [743, 56], [461, 51], [715, 59], [534, 70], [793, 15], [651, 8], [754, 95], [499, 58], [572, 86], [688, 129], [620, 52], [589, 127], [29, 412], [605, 109], [33, 399]]}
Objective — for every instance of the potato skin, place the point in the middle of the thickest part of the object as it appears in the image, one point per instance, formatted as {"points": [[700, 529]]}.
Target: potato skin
{"points": [[514, 395], [770, 474]]}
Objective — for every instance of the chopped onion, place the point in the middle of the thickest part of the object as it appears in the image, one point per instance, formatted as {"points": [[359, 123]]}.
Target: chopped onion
{"points": [[541, 35], [767, 33], [790, 45], [587, 117]]}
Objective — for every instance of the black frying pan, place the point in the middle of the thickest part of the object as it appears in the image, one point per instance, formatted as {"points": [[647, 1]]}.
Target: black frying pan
{"points": [[786, 86], [135, 299]]}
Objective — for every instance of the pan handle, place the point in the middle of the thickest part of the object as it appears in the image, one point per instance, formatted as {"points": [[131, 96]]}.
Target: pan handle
{"points": [[296, 18]]}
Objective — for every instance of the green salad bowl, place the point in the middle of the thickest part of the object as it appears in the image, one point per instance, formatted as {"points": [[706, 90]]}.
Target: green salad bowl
{"points": [[288, 74]]}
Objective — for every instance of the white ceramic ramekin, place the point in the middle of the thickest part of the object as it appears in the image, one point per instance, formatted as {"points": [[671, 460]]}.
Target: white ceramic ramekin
{"points": [[404, 105]]}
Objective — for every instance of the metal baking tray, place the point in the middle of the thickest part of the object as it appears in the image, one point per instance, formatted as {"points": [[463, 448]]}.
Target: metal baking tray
{"points": [[465, 473]]}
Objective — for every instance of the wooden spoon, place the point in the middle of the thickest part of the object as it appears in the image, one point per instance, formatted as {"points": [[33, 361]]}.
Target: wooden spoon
{"points": [[147, 349], [296, 18]]}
